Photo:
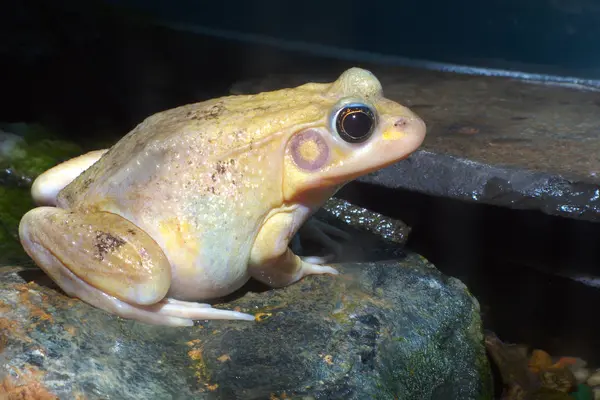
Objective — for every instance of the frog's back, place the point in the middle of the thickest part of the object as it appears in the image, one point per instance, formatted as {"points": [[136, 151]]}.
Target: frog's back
{"points": [[200, 133]]}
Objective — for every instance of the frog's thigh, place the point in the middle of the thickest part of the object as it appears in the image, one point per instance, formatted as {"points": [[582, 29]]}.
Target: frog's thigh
{"points": [[46, 186], [273, 262], [102, 249]]}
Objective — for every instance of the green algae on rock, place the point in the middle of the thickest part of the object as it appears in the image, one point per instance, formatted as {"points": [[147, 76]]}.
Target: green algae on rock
{"points": [[26, 150], [14, 202]]}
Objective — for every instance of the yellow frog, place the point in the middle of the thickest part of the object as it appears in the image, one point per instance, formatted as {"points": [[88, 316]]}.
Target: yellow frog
{"points": [[197, 199]]}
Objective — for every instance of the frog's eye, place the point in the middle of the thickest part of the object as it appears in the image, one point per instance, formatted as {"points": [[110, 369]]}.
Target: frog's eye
{"points": [[355, 122]]}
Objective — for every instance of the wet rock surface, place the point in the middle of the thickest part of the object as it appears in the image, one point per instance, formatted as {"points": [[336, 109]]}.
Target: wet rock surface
{"points": [[382, 330]]}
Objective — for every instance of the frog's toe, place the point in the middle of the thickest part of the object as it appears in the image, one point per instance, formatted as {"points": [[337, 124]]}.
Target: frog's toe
{"points": [[313, 269], [197, 311], [318, 260]]}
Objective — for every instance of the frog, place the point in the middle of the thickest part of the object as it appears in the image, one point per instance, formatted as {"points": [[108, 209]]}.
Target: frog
{"points": [[198, 199]]}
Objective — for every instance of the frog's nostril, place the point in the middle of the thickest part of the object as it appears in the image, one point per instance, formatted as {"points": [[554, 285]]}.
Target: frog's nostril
{"points": [[401, 122]]}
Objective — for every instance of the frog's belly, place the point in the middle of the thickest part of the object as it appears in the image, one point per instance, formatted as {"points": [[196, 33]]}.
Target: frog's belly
{"points": [[204, 266], [198, 283], [209, 272]]}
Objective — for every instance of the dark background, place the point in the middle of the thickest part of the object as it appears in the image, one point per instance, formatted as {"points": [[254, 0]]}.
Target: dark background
{"points": [[554, 36]]}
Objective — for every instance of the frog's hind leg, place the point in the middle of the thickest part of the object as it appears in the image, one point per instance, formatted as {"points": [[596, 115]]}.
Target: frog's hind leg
{"points": [[110, 263], [46, 186]]}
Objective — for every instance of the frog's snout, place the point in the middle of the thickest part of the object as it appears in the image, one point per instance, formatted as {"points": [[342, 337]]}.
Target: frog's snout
{"points": [[405, 127]]}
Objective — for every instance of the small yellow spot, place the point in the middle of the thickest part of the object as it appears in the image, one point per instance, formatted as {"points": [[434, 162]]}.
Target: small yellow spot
{"points": [[212, 388], [328, 358], [224, 357], [195, 354], [393, 134], [193, 342], [262, 316], [309, 150]]}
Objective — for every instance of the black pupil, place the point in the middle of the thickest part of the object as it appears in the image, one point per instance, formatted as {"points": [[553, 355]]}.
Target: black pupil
{"points": [[356, 123]]}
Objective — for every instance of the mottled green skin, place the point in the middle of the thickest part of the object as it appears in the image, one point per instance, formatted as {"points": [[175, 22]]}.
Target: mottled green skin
{"points": [[387, 330]]}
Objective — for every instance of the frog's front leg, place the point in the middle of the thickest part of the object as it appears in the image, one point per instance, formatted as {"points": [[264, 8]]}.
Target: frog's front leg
{"points": [[272, 261], [110, 263]]}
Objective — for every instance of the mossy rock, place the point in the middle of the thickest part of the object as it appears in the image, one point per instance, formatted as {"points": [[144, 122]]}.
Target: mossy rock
{"points": [[26, 150], [33, 150]]}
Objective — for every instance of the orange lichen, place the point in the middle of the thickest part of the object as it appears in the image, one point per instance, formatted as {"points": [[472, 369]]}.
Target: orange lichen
{"points": [[200, 369], [195, 354], [3, 341], [4, 308], [212, 388], [27, 388], [328, 358], [565, 361], [193, 342], [539, 360], [34, 310], [10, 328], [262, 316], [70, 329], [9, 390], [224, 357]]}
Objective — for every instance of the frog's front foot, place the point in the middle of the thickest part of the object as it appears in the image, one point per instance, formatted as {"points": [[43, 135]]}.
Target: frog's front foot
{"points": [[273, 262], [110, 263], [321, 233]]}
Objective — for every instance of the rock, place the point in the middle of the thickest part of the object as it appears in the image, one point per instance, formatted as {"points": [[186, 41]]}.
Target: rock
{"points": [[539, 360], [380, 330], [594, 379], [581, 374], [512, 362], [26, 150], [490, 140], [14, 202]]}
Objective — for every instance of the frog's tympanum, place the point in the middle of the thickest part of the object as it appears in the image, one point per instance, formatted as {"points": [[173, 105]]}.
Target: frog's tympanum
{"points": [[197, 199]]}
